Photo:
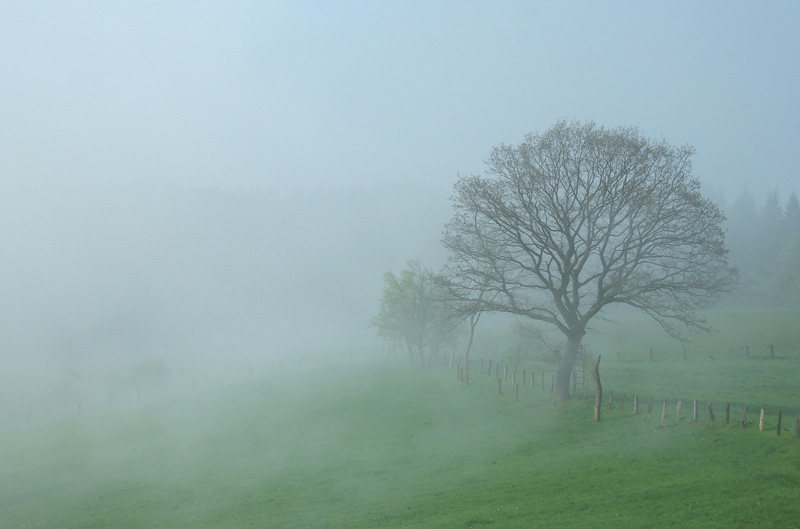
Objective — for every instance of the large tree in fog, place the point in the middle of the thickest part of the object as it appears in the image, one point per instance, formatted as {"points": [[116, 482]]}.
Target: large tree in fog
{"points": [[582, 217]]}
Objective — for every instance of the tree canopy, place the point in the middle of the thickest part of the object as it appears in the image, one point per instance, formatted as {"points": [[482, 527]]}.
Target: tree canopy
{"points": [[582, 217], [413, 311]]}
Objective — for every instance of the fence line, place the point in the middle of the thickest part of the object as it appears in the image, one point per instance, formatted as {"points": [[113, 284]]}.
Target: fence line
{"points": [[515, 388]]}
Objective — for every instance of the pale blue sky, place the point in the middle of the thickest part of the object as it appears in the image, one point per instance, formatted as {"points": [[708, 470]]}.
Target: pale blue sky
{"points": [[274, 95]]}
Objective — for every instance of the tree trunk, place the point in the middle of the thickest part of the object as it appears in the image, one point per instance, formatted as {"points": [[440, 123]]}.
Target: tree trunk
{"points": [[473, 321], [566, 366]]}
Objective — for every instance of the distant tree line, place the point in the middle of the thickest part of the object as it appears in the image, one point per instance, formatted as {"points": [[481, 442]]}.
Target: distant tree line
{"points": [[764, 243]]}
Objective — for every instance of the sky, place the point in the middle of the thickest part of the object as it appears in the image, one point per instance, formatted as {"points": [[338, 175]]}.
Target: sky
{"points": [[307, 95]]}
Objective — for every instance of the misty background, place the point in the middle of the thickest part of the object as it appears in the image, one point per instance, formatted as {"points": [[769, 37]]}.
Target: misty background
{"points": [[210, 186]]}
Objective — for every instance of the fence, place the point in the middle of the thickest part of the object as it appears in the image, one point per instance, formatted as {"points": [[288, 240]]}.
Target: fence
{"points": [[544, 377]]}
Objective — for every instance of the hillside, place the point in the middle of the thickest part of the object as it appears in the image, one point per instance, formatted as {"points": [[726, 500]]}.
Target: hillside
{"points": [[374, 444]]}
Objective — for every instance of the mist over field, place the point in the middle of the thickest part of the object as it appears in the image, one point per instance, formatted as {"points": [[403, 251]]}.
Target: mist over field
{"points": [[112, 289], [102, 281]]}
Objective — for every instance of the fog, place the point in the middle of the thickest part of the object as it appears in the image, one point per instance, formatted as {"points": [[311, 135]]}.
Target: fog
{"points": [[102, 282], [213, 186], [199, 200], [279, 95]]}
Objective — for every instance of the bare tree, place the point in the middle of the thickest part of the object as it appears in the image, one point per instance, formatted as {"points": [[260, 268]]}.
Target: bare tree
{"points": [[466, 303], [580, 218]]}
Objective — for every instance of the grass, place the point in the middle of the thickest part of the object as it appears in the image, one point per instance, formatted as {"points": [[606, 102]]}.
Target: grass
{"points": [[399, 449], [716, 368], [383, 446]]}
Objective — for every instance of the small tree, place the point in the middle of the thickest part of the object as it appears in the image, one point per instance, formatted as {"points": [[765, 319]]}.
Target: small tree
{"points": [[465, 305], [413, 312], [580, 218]]}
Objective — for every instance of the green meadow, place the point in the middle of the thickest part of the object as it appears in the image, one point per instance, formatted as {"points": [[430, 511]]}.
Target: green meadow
{"points": [[375, 443]]}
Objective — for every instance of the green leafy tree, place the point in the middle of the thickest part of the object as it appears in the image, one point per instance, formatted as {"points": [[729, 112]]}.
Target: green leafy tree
{"points": [[413, 312], [580, 218]]}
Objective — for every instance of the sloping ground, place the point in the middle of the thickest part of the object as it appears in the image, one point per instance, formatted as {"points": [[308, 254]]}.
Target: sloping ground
{"points": [[388, 447]]}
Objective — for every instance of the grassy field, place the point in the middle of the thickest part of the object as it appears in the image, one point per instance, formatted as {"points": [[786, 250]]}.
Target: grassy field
{"points": [[716, 367], [382, 445]]}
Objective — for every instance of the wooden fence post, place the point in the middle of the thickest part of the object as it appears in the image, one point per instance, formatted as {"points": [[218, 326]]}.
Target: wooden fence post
{"points": [[533, 379], [797, 427], [598, 400], [761, 421], [744, 418], [727, 413], [542, 381], [622, 405], [694, 411], [523, 378], [610, 399], [710, 411], [635, 405], [490, 367], [553, 384], [678, 411], [505, 373], [516, 392], [664, 410], [780, 415]]}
